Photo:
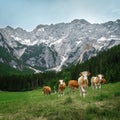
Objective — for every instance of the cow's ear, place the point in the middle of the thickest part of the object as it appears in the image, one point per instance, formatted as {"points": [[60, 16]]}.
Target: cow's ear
{"points": [[89, 73], [80, 74]]}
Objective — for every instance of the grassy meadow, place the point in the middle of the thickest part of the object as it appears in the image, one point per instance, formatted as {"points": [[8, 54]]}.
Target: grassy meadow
{"points": [[101, 104]]}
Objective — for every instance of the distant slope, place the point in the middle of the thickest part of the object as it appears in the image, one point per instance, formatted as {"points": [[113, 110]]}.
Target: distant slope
{"points": [[7, 70]]}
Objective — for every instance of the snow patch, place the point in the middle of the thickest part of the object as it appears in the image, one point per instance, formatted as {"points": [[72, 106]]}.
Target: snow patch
{"points": [[27, 42], [58, 68], [41, 30], [36, 71], [78, 42], [113, 36], [102, 39], [20, 52], [14, 66], [16, 38]]}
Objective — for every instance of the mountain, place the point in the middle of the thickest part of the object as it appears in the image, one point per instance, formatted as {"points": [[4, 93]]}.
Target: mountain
{"points": [[53, 46]]}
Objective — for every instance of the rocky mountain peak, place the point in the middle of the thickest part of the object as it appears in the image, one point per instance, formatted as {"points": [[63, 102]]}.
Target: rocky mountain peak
{"points": [[80, 21], [56, 45]]}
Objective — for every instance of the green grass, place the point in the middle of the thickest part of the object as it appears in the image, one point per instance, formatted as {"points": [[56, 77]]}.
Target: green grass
{"points": [[101, 104]]}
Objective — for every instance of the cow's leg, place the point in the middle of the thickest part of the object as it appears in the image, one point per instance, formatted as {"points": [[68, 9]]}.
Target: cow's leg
{"points": [[63, 93], [84, 94], [99, 85], [80, 91], [83, 91], [96, 86], [59, 93], [93, 86]]}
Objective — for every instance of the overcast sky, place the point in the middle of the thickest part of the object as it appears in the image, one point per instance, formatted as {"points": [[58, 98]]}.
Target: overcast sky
{"points": [[30, 13]]}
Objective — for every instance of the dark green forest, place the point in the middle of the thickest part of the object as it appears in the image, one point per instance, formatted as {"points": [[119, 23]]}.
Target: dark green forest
{"points": [[106, 62]]}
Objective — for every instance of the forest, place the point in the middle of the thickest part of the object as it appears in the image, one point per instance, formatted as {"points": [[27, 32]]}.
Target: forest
{"points": [[106, 62]]}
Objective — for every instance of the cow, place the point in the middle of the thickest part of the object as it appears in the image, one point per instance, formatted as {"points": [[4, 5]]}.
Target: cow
{"points": [[73, 84], [83, 82], [103, 81], [96, 81], [47, 90], [61, 87]]}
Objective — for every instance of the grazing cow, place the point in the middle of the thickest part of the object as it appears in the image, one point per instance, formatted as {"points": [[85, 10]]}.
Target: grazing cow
{"points": [[61, 87], [83, 82], [97, 81], [73, 84], [47, 90]]}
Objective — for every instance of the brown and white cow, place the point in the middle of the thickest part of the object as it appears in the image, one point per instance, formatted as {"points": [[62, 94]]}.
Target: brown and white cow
{"points": [[47, 90], [73, 84], [96, 81], [61, 87], [83, 82]]}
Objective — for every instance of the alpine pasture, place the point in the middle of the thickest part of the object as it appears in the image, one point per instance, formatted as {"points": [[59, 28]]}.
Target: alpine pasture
{"points": [[102, 104]]}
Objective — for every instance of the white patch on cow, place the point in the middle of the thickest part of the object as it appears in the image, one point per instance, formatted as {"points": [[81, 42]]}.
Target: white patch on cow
{"points": [[100, 77], [61, 82], [83, 90], [79, 79], [95, 79], [85, 74]]}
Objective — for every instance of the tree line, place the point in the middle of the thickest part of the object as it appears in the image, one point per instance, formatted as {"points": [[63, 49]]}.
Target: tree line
{"points": [[106, 63]]}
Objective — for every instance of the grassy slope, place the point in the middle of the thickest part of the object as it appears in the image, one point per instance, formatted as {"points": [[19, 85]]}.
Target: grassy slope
{"points": [[101, 104]]}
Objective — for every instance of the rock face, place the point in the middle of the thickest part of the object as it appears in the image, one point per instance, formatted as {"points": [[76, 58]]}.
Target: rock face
{"points": [[52, 46]]}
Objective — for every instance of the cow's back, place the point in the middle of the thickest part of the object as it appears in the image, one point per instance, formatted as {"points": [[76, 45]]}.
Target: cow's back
{"points": [[47, 90], [73, 84]]}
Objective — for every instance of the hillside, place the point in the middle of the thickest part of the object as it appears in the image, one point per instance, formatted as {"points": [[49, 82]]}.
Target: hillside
{"points": [[7, 70], [101, 104], [106, 63]]}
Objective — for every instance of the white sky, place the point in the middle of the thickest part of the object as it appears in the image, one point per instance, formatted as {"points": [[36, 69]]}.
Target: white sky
{"points": [[30, 13]]}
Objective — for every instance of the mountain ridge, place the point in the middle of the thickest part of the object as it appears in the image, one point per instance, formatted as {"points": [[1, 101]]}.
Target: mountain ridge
{"points": [[56, 45]]}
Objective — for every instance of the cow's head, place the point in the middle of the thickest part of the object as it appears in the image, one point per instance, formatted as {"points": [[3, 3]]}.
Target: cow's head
{"points": [[85, 74], [61, 81], [100, 76]]}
